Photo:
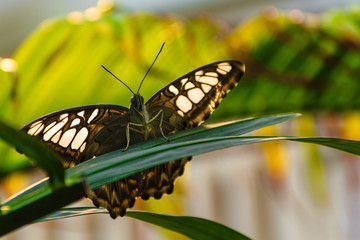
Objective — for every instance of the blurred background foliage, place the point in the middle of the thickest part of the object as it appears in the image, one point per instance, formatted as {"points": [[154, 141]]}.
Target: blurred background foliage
{"points": [[295, 62]]}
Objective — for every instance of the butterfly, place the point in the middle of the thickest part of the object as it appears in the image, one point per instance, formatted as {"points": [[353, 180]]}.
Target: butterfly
{"points": [[82, 133]]}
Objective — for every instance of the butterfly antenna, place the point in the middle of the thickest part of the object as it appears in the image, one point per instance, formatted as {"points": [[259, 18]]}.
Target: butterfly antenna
{"points": [[150, 67], [118, 79]]}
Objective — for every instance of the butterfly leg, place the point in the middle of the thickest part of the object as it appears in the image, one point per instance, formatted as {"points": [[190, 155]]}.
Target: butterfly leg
{"points": [[161, 114], [127, 132]]}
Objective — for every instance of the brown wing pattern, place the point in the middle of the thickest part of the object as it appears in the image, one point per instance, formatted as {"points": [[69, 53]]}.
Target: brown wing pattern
{"points": [[80, 134], [70, 131], [195, 95], [160, 179], [192, 97]]}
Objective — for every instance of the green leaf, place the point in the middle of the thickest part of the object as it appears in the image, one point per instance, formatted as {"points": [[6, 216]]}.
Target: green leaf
{"points": [[116, 165], [44, 157], [350, 146], [37, 203], [192, 227]]}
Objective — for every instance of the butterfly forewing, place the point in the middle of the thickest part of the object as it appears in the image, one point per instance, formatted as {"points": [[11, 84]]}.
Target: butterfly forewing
{"points": [[80, 134], [70, 131], [195, 95]]}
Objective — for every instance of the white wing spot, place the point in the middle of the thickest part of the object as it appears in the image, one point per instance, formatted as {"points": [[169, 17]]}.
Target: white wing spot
{"points": [[35, 123], [189, 85], [82, 148], [225, 66], [62, 116], [212, 104], [39, 130], [57, 136], [195, 95], [173, 89], [75, 122], [183, 103], [180, 113], [67, 137], [201, 72], [197, 77], [206, 88], [211, 74], [65, 120], [93, 115], [81, 114], [183, 81], [49, 126], [52, 131], [209, 80], [79, 138], [35, 127], [221, 71]]}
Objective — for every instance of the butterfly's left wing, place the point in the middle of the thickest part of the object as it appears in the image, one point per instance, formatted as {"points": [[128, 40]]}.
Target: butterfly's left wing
{"points": [[191, 99], [70, 132], [82, 133]]}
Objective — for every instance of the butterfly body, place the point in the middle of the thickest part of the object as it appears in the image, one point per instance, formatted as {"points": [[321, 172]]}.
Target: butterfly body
{"points": [[80, 134]]}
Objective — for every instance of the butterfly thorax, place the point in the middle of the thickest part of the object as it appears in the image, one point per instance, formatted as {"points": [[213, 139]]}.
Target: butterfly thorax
{"points": [[141, 120], [147, 121]]}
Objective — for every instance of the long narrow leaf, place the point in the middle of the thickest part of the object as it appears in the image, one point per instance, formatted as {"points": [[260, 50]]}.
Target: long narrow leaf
{"points": [[43, 203], [45, 158], [39, 192], [113, 166], [193, 227]]}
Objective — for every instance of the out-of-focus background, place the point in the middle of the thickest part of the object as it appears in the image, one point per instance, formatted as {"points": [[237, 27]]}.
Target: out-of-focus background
{"points": [[300, 56]]}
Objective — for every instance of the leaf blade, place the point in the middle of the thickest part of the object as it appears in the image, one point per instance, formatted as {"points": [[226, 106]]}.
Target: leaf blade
{"points": [[45, 158]]}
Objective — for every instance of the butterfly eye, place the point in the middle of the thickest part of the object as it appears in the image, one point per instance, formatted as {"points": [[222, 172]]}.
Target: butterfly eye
{"points": [[136, 102]]}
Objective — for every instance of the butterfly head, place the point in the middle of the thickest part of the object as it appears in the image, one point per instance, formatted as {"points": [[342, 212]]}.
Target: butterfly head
{"points": [[137, 102]]}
